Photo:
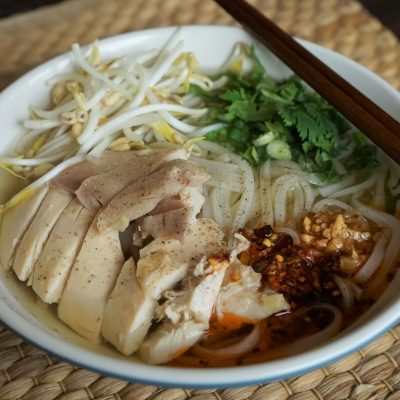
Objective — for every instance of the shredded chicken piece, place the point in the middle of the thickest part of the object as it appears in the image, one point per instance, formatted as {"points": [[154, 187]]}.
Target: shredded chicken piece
{"points": [[96, 191], [143, 195]]}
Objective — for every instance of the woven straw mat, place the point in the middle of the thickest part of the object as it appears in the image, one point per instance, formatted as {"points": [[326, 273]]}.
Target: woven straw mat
{"points": [[29, 39]]}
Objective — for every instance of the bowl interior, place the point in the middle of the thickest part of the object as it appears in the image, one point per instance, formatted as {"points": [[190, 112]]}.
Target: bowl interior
{"points": [[18, 307]]}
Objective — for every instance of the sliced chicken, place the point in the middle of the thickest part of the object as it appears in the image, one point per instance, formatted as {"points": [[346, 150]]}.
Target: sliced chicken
{"points": [[187, 316], [39, 230], [96, 191], [143, 195], [173, 216], [128, 313], [90, 283], [170, 341], [240, 300], [71, 178], [15, 222], [54, 264], [157, 271], [162, 264], [162, 269]]}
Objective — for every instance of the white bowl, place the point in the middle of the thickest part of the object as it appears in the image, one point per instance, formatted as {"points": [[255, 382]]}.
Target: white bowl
{"points": [[21, 314]]}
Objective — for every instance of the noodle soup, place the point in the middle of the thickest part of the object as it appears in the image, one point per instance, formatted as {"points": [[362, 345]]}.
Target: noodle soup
{"points": [[291, 211]]}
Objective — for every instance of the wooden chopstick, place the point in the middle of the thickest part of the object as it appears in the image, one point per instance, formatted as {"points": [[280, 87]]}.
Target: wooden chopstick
{"points": [[367, 116]]}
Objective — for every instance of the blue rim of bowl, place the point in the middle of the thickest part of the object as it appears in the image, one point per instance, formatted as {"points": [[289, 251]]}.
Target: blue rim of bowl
{"points": [[169, 384], [225, 382]]}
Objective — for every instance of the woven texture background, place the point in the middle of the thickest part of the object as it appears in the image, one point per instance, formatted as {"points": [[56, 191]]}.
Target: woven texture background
{"points": [[343, 25], [27, 373]]}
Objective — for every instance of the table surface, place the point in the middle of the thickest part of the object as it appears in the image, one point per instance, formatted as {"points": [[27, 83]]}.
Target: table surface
{"points": [[388, 11]]}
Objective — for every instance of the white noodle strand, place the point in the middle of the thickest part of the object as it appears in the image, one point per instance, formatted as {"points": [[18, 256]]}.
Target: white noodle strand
{"points": [[372, 264], [245, 345]]}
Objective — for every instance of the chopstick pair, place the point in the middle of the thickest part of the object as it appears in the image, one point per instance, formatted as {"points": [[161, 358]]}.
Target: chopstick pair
{"points": [[367, 116]]}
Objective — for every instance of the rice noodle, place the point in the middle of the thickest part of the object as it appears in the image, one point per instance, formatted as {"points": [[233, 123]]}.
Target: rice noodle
{"points": [[217, 166], [299, 207], [248, 343], [320, 337], [227, 179], [392, 249], [281, 189], [394, 172], [315, 180], [267, 212], [242, 210], [284, 167], [277, 171], [340, 169], [372, 264], [220, 207], [219, 182], [379, 192], [324, 203], [347, 292], [356, 188], [348, 145], [357, 290], [289, 231], [331, 189], [206, 211], [255, 208]]}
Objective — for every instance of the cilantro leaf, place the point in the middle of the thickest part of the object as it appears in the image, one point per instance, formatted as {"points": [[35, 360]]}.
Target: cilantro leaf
{"points": [[255, 106]]}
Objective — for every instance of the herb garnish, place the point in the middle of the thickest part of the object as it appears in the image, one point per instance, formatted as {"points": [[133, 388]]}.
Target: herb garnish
{"points": [[266, 119]]}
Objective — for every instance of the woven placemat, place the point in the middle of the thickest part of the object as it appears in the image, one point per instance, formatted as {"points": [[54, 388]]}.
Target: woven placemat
{"points": [[27, 373], [343, 25]]}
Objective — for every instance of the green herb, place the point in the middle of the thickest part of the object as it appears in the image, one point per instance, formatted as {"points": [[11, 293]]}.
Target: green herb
{"points": [[266, 119]]}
